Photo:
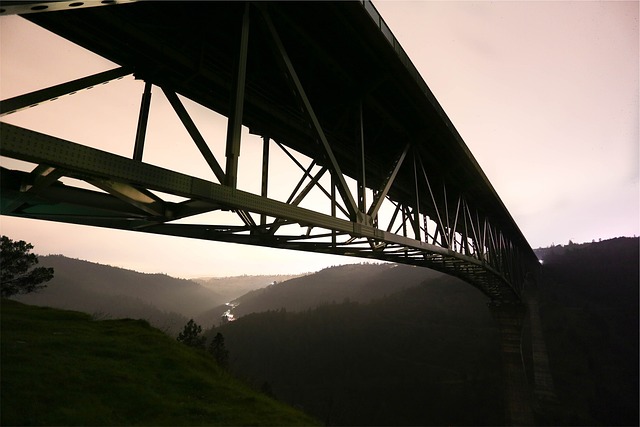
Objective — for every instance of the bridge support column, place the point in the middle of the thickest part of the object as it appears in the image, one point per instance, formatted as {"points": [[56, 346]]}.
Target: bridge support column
{"points": [[517, 398], [545, 404]]}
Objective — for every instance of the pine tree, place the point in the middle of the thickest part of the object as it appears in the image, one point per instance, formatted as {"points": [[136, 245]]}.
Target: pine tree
{"points": [[17, 275], [190, 335], [219, 351]]}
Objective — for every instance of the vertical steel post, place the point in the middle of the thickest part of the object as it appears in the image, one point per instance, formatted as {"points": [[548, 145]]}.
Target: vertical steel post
{"points": [[405, 217], [448, 233], [265, 173], [234, 125], [455, 225], [416, 218], [142, 122], [333, 209], [362, 184]]}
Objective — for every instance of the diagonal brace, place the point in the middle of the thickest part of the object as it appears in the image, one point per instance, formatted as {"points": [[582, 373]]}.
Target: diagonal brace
{"points": [[195, 134], [386, 185], [343, 189], [17, 103]]}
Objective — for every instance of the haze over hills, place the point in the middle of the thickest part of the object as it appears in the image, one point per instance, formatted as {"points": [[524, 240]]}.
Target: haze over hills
{"points": [[165, 292], [233, 287], [355, 282], [168, 303], [111, 292]]}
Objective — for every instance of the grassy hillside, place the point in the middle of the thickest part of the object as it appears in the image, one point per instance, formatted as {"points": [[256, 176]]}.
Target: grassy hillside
{"points": [[62, 368]]}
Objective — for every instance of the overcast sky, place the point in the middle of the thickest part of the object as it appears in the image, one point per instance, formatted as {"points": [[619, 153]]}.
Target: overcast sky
{"points": [[545, 95]]}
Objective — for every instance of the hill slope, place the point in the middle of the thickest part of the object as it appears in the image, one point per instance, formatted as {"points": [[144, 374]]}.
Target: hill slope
{"points": [[61, 368], [353, 282], [166, 293], [589, 308], [112, 292], [235, 286], [427, 355]]}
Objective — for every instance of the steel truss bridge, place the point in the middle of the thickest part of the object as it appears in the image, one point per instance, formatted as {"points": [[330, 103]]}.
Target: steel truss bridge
{"points": [[325, 83]]}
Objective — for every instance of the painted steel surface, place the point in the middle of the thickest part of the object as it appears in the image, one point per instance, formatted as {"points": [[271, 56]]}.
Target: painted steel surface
{"points": [[325, 79]]}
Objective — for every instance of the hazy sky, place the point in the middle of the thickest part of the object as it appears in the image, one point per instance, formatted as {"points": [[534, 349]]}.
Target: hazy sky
{"points": [[545, 94]]}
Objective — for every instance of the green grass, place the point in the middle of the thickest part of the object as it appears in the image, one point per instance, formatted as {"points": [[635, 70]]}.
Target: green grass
{"points": [[62, 368]]}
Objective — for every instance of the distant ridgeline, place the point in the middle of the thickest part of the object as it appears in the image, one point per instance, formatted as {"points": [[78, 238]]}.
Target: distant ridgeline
{"points": [[618, 244], [168, 303]]}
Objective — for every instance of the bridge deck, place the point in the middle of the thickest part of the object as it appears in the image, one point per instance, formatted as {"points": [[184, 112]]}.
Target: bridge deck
{"points": [[327, 79], [341, 54]]}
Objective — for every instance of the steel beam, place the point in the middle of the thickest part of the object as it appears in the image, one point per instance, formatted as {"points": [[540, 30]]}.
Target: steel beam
{"points": [[39, 6], [362, 178], [141, 132], [386, 185], [190, 126], [234, 126], [265, 173], [40, 178], [142, 199], [11, 105]]}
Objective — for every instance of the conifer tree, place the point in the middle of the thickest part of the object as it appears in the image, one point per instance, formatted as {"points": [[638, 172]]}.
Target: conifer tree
{"points": [[219, 351], [17, 275], [190, 335]]}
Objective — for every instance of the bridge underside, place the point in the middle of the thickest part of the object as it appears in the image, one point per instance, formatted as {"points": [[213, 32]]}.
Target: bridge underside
{"points": [[356, 123]]}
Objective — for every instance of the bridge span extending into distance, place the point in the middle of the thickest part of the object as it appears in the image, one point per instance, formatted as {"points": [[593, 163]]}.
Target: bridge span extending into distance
{"points": [[326, 80], [325, 85]]}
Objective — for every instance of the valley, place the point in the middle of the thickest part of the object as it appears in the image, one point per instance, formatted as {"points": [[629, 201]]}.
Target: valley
{"points": [[388, 344]]}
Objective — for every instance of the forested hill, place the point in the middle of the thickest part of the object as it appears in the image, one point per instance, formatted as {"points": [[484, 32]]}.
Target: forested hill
{"points": [[112, 292], [354, 282], [429, 354], [425, 355], [589, 308]]}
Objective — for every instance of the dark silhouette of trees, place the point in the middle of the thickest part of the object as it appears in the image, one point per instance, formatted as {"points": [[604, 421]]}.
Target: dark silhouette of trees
{"points": [[190, 335], [17, 272], [219, 351]]}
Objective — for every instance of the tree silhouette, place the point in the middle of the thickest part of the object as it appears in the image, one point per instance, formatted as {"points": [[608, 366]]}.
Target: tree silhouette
{"points": [[219, 351], [190, 335], [17, 275]]}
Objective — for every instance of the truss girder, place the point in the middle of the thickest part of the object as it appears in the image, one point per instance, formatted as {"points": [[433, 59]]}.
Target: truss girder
{"points": [[131, 183], [432, 219]]}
